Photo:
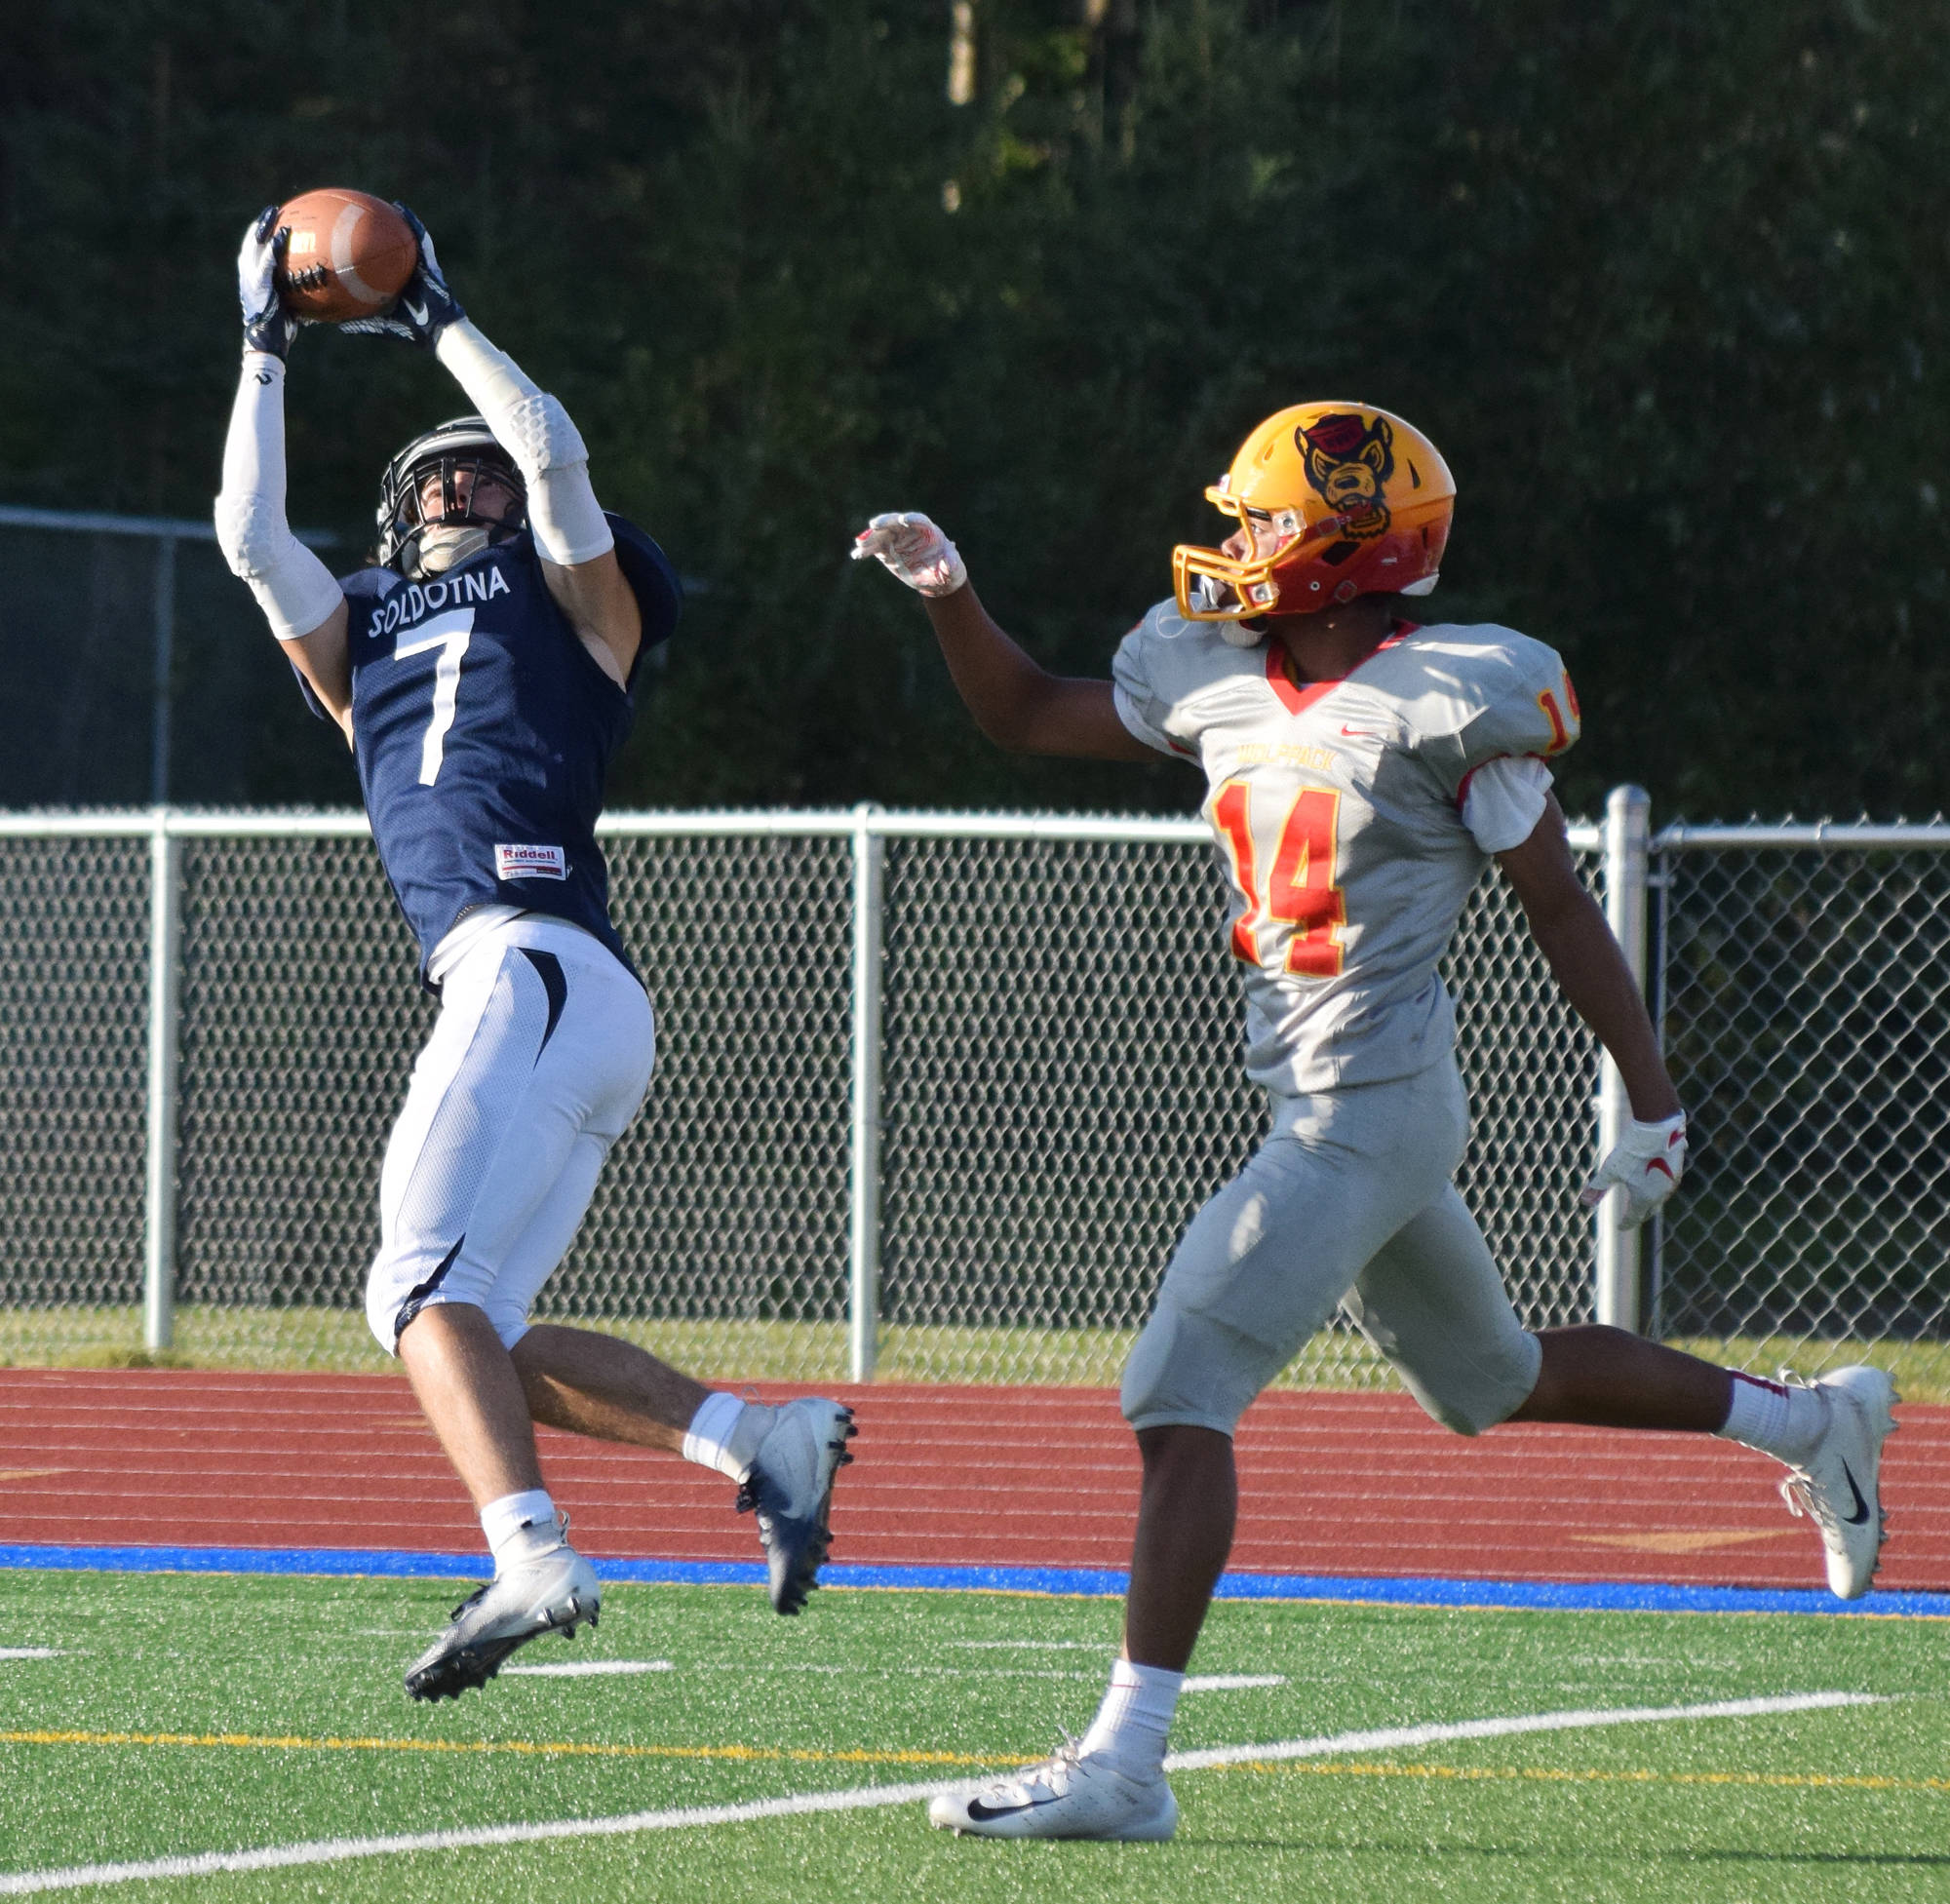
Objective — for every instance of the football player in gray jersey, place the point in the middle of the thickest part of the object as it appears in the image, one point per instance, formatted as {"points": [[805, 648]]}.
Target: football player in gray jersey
{"points": [[544, 1046], [1363, 765]]}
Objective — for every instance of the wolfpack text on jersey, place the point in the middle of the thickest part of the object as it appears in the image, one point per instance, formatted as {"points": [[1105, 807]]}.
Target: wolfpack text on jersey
{"points": [[482, 727], [1336, 809]]}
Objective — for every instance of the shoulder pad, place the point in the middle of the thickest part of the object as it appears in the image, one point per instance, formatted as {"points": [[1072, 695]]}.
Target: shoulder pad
{"points": [[651, 578]]}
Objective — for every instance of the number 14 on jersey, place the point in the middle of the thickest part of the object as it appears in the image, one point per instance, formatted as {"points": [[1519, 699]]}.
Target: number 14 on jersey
{"points": [[1299, 891]]}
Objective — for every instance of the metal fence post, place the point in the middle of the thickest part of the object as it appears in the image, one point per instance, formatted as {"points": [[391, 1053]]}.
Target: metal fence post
{"points": [[1627, 829], [164, 616], [159, 1226], [864, 1291]]}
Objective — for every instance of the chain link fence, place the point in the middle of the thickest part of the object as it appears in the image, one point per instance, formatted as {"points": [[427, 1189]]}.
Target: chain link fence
{"points": [[1805, 981], [1055, 1088]]}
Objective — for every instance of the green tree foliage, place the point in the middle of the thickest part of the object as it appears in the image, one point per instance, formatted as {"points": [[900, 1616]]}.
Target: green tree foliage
{"points": [[1664, 281]]}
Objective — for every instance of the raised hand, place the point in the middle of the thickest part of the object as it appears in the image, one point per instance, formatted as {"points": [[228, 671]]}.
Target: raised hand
{"points": [[425, 307], [267, 326], [913, 548]]}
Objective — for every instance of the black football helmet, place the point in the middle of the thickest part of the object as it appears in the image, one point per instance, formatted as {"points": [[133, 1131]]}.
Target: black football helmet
{"points": [[461, 443]]}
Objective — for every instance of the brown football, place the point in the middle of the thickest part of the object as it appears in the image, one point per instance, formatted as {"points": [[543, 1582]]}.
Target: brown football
{"points": [[349, 256]]}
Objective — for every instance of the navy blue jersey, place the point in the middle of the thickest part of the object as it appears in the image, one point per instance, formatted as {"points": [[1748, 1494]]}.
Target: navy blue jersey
{"points": [[482, 727]]}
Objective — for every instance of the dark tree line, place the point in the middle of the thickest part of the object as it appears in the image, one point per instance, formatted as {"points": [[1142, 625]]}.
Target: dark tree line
{"points": [[1664, 281]]}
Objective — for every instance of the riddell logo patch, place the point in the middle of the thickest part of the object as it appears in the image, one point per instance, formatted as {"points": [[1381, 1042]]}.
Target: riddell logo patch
{"points": [[530, 863]]}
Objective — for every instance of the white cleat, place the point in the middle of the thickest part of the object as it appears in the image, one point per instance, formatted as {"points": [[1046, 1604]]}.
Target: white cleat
{"points": [[789, 1485], [1839, 1486], [553, 1594], [1069, 1795]]}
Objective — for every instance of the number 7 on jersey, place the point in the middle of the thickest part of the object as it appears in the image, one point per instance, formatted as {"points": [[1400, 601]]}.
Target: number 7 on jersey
{"points": [[449, 634], [1300, 891]]}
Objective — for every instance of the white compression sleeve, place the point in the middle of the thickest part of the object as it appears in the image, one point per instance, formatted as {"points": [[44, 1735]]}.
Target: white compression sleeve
{"points": [[297, 591], [1504, 800], [536, 430]]}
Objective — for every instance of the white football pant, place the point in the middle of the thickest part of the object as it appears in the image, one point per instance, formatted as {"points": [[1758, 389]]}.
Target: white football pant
{"points": [[541, 1056]]}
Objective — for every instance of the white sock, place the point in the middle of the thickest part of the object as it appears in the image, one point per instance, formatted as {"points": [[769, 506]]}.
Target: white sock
{"points": [[521, 1528], [1131, 1723], [1783, 1421], [724, 1433]]}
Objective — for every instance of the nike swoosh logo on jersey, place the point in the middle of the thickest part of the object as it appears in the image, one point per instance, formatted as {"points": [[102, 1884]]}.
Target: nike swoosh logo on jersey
{"points": [[418, 312], [977, 1810], [1360, 733], [1861, 1512]]}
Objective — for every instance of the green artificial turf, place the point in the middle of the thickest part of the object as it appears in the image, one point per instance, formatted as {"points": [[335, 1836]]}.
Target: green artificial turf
{"points": [[285, 1695]]}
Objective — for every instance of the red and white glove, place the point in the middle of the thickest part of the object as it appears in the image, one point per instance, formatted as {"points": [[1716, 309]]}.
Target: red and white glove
{"points": [[1645, 1164], [915, 549]]}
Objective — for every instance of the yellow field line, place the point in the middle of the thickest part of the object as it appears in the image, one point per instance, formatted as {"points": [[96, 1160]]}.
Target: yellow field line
{"points": [[755, 1753], [532, 1748], [1807, 1781]]}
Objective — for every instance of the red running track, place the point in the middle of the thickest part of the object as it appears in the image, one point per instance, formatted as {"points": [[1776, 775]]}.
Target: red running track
{"points": [[1340, 1484]]}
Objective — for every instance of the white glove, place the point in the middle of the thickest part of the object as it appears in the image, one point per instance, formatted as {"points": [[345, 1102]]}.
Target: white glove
{"points": [[1645, 1164], [267, 326], [916, 551]]}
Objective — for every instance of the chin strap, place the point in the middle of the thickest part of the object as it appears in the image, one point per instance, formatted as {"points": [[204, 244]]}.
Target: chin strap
{"points": [[297, 591], [441, 546], [533, 428]]}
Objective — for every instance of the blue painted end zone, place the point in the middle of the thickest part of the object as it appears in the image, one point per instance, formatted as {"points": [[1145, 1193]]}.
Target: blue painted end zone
{"points": [[1093, 1582]]}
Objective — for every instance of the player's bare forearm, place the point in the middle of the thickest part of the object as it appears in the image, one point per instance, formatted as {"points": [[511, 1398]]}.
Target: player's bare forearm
{"points": [[1018, 704], [1585, 958]]}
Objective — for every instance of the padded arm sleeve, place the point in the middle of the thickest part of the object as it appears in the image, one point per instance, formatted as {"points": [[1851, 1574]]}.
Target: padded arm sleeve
{"points": [[297, 591], [534, 429]]}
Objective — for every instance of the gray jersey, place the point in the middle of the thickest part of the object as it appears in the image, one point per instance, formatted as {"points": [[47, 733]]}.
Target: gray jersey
{"points": [[1337, 808]]}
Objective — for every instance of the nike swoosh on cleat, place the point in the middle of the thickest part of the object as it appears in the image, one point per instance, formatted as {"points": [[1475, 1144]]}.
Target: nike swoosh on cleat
{"points": [[983, 1812], [1861, 1512]]}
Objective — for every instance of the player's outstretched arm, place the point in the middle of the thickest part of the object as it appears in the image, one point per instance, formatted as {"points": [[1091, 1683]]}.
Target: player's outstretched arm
{"points": [[1019, 705], [1591, 972], [299, 596], [573, 536]]}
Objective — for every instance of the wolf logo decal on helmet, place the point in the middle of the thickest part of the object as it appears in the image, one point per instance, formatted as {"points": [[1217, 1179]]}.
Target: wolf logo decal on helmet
{"points": [[1350, 459]]}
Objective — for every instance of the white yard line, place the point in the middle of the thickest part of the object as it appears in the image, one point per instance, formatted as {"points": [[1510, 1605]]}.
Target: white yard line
{"points": [[591, 1668], [338, 1851], [29, 1652], [1229, 1681], [1536, 1721]]}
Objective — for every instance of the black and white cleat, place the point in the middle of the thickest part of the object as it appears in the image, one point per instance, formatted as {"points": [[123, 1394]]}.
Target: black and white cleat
{"points": [[790, 1487], [553, 1594]]}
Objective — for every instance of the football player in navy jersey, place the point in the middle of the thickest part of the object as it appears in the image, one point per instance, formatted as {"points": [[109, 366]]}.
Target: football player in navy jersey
{"points": [[482, 672]]}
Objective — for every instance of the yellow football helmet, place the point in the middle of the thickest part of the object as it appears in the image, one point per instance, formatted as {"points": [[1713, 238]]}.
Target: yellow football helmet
{"points": [[1334, 500]]}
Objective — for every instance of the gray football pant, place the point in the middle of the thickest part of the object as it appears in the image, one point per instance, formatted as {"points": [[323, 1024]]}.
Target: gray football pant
{"points": [[1349, 1201]]}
